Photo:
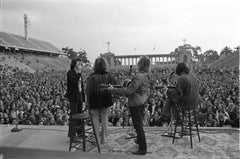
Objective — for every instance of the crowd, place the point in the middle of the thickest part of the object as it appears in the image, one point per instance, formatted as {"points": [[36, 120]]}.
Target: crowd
{"points": [[38, 98]]}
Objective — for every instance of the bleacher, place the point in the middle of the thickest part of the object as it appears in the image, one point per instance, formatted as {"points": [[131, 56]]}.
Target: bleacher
{"points": [[228, 61], [17, 42], [30, 55]]}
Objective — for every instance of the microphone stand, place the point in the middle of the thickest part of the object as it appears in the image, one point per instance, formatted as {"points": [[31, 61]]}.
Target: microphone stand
{"points": [[170, 133], [16, 128]]}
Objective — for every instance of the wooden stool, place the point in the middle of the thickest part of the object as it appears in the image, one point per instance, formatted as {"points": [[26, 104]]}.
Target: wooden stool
{"points": [[86, 135], [186, 123]]}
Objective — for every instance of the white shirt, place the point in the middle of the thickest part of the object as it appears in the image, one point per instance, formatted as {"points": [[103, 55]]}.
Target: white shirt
{"points": [[80, 85]]}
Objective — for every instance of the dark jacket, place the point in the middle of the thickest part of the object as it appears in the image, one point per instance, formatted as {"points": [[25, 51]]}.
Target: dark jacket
{"points": [[96, 96], [137, 89], [72, 87], [188, 91]]}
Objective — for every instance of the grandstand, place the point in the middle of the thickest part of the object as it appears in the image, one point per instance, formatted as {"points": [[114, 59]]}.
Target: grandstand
{"points": [[30, 55], [18, 43]]}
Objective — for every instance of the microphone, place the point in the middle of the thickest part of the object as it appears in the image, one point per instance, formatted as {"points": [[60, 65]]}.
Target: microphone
{"points": [[173, 72], [130, 70]]}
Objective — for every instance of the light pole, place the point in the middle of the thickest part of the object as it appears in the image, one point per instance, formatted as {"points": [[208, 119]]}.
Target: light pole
{"points": [[108, 46]]}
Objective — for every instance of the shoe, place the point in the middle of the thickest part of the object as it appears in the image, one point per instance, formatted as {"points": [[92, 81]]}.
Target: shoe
{"points": [[139, 152], [76, 140]]}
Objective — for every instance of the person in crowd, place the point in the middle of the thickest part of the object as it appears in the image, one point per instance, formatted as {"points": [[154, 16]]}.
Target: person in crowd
{"points": [[155, 120], [98, 99], [137, 96], [75, 93], [222, 115], [233, 112], [210, 120], [153, 107], [41, 89]]}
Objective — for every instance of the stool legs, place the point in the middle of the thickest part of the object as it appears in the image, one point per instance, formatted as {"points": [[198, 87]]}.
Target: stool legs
{"points": [[183, 115], [83, 135], [188, 126], [195, 118], [175, 130], [71, 140]]}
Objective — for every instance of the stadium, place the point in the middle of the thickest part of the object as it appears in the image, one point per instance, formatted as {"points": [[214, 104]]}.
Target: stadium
{"points": [[33, 84]]}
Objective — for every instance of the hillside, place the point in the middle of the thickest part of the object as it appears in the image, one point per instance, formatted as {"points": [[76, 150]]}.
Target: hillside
{"points": [[229, 61]]}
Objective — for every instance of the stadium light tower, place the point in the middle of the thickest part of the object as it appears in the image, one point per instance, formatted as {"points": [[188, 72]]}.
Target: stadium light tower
{"points": [[184, 41], [108, 46], [26, 24]]}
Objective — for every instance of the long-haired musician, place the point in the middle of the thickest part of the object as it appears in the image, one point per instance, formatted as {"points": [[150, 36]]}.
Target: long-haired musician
{"points": [[137, 96]]}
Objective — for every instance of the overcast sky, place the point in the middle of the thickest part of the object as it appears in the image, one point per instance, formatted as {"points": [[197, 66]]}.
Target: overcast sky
{"points": [[127, 24]]}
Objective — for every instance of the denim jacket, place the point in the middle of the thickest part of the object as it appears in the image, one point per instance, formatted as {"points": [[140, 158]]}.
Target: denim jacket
{"points": [[137, 91]]}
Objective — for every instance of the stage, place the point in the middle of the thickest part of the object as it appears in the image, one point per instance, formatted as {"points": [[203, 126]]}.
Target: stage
{"points": [[52, 142]]}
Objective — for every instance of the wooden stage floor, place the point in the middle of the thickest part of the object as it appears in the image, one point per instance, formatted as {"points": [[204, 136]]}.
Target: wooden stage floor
{"points": [[52, 142]]}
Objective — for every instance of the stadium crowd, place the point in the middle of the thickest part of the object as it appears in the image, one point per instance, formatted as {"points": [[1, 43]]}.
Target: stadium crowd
{"points": [[38, 98]]}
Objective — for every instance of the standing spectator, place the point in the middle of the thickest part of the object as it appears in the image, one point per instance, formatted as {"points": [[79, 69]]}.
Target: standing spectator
{"points": [[99, 100], [75, 92]]}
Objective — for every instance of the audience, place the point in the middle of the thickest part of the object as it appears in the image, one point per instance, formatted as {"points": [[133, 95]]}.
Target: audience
{"points": [[38, 98]]}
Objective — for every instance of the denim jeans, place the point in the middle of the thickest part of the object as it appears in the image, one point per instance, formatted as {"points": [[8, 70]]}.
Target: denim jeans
{"points": [[100, 114], [137, 114]]}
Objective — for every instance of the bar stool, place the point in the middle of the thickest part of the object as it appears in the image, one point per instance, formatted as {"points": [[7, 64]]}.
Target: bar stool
{"points": [[186, 123], [86, 135]]}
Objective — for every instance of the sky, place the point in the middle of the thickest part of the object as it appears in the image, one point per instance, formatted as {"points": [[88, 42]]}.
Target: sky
{"points": [[131, 26]]}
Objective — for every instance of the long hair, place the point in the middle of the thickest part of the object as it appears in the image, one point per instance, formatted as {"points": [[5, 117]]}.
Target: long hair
{"points": [[98, 77], [100, 65], [73, 62], [144, 64], [182, 67]]}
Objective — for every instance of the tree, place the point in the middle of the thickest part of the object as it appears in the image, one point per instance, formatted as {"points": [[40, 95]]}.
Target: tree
{"points": [[82, 54], [237, 49], [196, 50], [117, 62], [65, 49], [211, 55], [71, 54], [188, 48], [226, 51]]}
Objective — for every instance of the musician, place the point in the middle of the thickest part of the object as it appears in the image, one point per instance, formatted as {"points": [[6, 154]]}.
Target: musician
{"points": [[75, 92], [99, 100], [186, 92], [137, 96]]}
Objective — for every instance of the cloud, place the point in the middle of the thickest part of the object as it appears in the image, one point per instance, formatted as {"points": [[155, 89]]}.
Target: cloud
{"points": [[127, 24]]}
